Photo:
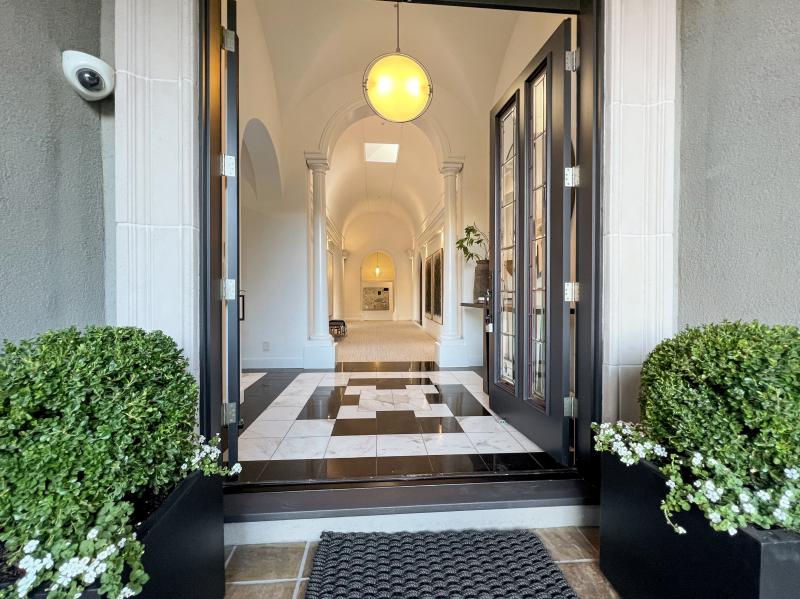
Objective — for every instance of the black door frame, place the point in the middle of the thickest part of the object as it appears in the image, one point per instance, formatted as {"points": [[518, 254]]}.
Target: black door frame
{"points": [[589, 122]]}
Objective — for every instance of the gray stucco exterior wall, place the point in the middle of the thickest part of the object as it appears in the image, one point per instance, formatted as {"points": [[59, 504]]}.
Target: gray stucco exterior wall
{"points": [[51, 177], [739, 235]]}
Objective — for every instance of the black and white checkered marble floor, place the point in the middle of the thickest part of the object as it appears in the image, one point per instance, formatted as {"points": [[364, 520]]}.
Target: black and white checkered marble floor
{"points": [[343, 425]]}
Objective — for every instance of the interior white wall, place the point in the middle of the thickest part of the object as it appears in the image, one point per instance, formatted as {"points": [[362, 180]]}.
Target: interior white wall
{"points": [[268, 225], [365, 234], [273, 227], [336, 247], [531, 30], [258, 94]]}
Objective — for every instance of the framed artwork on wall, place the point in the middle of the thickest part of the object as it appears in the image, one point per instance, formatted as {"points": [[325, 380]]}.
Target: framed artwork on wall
{"points": [[437, 285], [376, 298], [428, 290]]}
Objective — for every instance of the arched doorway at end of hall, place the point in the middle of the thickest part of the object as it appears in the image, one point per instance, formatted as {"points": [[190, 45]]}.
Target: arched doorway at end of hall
{"points": [[377, 289]]}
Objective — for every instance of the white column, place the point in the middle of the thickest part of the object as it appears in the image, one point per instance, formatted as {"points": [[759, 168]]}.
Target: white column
{"points": [[639, 229], [450, 171], [157, 256], [319, 167]]}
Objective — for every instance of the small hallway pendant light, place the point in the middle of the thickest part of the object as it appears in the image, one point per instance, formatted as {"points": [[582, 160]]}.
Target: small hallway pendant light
{"points": [[377, 265], [396, 86]]}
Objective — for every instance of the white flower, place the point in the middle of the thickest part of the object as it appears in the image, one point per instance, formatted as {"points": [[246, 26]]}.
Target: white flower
{"points": [[236, 468], [780, 514], [660, 451], [126, 592], [92, 534], [715, 517], [697, 459], [735, 509], [763, 495], [680, 530], [671, 484], [732, 531], [121, 542], [785, 503], [711, 491], [792, 473], [749, 508], [30, 546]]}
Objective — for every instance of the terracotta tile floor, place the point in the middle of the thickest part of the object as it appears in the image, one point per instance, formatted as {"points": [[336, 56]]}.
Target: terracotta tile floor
{"points": [[280, 570]]}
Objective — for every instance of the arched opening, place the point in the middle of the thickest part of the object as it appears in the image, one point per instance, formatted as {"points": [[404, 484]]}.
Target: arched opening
{"points": [[377, 286], [267, 226]]}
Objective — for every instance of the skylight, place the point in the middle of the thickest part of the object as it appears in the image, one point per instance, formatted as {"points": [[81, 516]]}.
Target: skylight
{"points": [[381, 152]]}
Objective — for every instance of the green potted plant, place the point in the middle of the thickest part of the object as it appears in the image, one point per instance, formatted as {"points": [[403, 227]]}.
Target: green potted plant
{"points": [[701, 498], [102, 482], [475, 246]]}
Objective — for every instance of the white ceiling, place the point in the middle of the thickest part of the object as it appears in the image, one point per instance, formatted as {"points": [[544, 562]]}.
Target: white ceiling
{"points": [[314, 42], [411, 187]]}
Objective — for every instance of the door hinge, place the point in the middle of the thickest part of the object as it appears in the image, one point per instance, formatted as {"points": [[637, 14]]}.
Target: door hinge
{"points": [[572, 60], [572, 176], [228, 413], [228, 40], [572, 291], [570, 406], [229, 289], [227, 165]]}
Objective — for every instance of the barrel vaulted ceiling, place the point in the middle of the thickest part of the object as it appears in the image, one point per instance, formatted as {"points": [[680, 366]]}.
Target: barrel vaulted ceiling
{"points": [[314, 42]]}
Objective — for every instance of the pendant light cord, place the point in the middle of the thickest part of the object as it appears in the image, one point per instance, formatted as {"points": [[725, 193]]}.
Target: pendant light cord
{"points": [[397, 7]]}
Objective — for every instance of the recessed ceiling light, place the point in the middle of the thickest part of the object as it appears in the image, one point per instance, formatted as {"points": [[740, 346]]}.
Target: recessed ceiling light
{"points": [[381, 152]]}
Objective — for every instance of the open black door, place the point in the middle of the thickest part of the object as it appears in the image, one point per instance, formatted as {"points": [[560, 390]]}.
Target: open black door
{"points": [[530, 230], [230, 168]]}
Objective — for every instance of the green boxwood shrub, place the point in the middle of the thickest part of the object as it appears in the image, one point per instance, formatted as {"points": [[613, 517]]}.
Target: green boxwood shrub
{"points": [[94, 426], [720, 415]]}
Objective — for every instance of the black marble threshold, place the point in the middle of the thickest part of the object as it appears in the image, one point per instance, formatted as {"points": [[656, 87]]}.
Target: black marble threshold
{"points": [[405, 497]]}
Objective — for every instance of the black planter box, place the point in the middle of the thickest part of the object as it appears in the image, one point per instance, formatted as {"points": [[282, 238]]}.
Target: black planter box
{"points": [[184, 551], [644, 558]]}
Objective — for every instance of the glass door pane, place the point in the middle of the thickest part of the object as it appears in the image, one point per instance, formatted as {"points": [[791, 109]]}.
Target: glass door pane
{"points": [[537, 238], [507, 246]]}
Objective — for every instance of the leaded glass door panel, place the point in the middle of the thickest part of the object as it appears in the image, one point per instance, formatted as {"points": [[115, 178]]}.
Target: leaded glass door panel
{"points": [[529, 345]]}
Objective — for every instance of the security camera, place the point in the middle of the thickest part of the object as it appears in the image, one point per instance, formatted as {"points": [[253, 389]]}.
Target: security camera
{"points": [[92, 78]]}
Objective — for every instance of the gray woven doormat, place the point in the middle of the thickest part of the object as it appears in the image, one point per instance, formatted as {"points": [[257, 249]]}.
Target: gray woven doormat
{"points": [[507, 564]]}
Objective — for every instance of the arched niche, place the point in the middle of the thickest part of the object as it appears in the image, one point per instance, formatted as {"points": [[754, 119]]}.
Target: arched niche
{"points": [[378, 277]]}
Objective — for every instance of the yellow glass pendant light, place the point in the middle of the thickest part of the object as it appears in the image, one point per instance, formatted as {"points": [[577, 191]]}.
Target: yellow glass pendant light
{"points": [[396, 86], [377, 265]]}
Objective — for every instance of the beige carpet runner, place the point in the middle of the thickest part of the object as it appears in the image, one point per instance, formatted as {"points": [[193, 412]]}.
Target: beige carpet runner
{"points": [[385, 341]]}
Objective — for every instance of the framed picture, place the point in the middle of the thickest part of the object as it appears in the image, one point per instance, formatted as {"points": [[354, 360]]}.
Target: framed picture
{"points": [[428, 289], [438, 286], [376, 299]]}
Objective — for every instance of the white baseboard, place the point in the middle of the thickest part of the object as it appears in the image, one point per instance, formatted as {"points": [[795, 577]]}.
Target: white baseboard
{"points": [[319, 354], [456, 354], [285, 531], [272, 362]]}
